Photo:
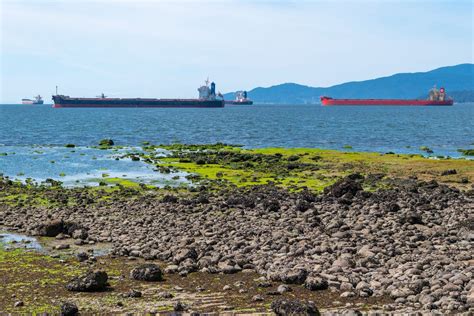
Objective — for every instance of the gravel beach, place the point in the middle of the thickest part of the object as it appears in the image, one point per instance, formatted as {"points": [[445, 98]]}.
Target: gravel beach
{"points": [[412, 242]]}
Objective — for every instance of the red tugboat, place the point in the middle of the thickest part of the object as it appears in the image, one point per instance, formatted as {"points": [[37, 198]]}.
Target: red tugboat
{"points": [[436, 98]]}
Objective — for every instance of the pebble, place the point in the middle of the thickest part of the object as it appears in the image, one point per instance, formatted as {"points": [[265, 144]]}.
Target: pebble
{"points": [[19, 304]]}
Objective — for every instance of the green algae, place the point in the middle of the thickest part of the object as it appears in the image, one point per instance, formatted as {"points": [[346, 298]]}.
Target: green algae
{"points": [[467, 152], [297, 168], [32, 277]]}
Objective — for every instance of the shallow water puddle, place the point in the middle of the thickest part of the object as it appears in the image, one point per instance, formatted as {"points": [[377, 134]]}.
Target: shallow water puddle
{"points": [[82, 166], [47, 245], [19, 241]]}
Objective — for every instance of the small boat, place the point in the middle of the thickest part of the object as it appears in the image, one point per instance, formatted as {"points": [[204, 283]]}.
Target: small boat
{"points": [[37, 100], [240, 99]]}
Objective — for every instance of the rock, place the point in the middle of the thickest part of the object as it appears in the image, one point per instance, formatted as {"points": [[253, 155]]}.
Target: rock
{"points": [[133, 294], [228, 268], [55, 228], [297, 276], [61, 236], [315, 283], [393, 207], [412, 218], [184, 254], [165, 295], [94, 281], [286, 307], [51, 229], [257, 298], [106, 142], [347, 294], [147, 272], [69, 309], [179, 307], [449, 172], [171, 269], [282, 288], [264, 284], [470, 298], [227, 288], [271, 205], [62, 247], [169, 199], [81, 234], [344, 186], [19, 304], [82, 256]]}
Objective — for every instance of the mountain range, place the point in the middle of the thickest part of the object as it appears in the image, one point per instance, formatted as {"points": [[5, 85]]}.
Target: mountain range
{"points": [[458, 80]]}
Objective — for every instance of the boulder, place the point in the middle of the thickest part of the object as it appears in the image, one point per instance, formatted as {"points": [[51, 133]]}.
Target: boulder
{"points": [[94, 281], [147, 272], [286, 307], [69, 309], [316, 283], [347, 185], [297, 276], [184, 254], [51, 229]]}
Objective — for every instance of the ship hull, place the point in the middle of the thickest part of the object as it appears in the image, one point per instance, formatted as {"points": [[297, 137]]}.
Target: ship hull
{"points": [[67, 102], [248, 102], [383, 102]]}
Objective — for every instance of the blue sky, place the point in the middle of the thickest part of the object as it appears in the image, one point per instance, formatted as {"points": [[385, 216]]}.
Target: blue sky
{"points": [[167, 48]]}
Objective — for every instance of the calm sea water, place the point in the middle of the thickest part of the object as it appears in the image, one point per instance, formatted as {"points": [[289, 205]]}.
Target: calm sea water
{"points": [[379, 129]]}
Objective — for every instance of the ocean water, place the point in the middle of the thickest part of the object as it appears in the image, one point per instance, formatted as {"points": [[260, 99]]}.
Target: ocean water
{"points": [[378, 129]]}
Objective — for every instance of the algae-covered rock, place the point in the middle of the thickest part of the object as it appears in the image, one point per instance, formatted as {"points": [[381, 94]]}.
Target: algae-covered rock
{"points": [[347, 185], [69, 309], [449, 172], [288, 307], [467, 152], [106, 142], [147, 272], [316, 283], [54, 228], [426, 149], [94, 281]]}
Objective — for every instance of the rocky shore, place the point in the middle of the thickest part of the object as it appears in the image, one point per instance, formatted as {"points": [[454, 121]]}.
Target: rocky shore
{"points": [[412, 242]]}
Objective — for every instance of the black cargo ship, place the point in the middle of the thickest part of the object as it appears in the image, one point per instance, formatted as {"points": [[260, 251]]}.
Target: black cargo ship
{"points": [[207, 99]]}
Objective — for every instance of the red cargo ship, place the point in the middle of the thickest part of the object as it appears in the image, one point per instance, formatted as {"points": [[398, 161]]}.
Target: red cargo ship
{"points": [[436, 98]]}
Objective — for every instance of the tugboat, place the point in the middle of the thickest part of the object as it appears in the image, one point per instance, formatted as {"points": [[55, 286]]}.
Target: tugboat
{"points": [[240, 98], [435, 98], [37, 100], [207, 99]]}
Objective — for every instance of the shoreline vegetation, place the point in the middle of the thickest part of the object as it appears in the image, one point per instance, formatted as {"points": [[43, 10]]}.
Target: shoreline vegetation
{"points": [[284, 230]]}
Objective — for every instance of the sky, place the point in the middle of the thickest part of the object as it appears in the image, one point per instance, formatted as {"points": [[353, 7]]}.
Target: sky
{"points": [[168, 48]]}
